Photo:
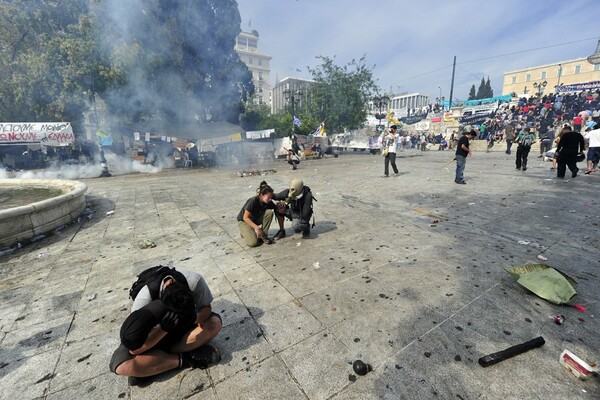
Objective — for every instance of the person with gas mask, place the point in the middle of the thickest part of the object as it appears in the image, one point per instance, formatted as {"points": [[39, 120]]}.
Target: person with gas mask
{"points": [[295, 203]]}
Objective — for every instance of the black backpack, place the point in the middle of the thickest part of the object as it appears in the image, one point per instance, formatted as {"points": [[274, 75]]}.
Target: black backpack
{"points": [[153, 278]]}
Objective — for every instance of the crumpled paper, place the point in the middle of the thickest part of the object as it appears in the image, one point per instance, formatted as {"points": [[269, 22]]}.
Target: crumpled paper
{"points": [[545, 281]]}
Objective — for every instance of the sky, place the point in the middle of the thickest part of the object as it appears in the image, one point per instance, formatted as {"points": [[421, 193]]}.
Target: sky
{"points": [[411, 44]]}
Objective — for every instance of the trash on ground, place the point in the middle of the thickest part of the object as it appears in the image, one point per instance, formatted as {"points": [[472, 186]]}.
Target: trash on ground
{"points": [[544, 281], [316, 265], [360, 368], [146, 243], [495, 358], [576, 365], [524, 242], [41, 255], [541, 257], [111, 212], [559, 319], [430, 214], [91, 297], [256, 172], [298, 244]]}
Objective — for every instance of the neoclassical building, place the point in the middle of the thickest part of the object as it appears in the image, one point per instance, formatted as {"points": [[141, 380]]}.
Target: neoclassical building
{"points": [[246, 47], [530, 81]]}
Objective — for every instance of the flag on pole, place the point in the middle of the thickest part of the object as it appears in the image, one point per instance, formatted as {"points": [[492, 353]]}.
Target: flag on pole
{"points": [[297, 121], [320, 131]]}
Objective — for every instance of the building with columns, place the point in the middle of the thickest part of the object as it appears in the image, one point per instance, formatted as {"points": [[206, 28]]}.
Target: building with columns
{"points": [[246, 46], [408, 100], [290, 94], [529, 81]]}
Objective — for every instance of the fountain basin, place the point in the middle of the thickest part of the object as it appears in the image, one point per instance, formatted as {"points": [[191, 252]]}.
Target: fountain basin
{"points": [[21, 223]]}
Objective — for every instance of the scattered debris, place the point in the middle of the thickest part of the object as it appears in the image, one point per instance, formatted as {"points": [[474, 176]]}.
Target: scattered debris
{"points": [[544, 281], [298, 244], [524, 242], [430, 214], [256, 172], [316, 265], [360, 368], [110, 212], [576, 365], [41, 255], [559, 319], [541, 257], [91, 297], [147, 243], [495, 358]]}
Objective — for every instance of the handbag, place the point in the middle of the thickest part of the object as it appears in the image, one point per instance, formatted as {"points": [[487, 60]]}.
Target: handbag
{"points": [[384, 151], [580, 157]]}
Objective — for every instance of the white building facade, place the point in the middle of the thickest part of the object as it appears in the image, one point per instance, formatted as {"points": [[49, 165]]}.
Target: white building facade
{"points": [[258, 63]]}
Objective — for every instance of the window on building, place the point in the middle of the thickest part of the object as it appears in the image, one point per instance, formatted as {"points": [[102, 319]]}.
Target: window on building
{"points": [[577, 69], [250, 61], [525, 91], [597, 67], [514, 80], [260, 77], [543, 75], [528, 78], [252, 43], [260, 62]]}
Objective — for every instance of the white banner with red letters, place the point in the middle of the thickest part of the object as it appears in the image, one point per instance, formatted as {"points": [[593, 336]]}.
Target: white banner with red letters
{"points": [[44, 133]]}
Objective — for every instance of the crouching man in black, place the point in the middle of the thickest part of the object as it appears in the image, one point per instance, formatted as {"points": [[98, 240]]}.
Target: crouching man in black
{"points": [[169, 327], [296, 203]]}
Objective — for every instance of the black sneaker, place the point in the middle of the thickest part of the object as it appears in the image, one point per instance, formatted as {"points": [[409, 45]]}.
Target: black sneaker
{"points": [[279, 235], [461, 182], [201, 358], [518, 168], [306, 233], [524, 168]]}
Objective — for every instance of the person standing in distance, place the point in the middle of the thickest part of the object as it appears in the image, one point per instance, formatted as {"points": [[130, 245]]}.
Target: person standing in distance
{"points": [[462, 152], [391, 142]]}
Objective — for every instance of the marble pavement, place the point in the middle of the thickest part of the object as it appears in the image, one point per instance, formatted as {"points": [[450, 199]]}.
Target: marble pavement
{"points": [[377, 281]]}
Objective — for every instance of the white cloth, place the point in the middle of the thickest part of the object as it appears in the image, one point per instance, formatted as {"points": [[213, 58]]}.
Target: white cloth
{"points": [[593, 138]]}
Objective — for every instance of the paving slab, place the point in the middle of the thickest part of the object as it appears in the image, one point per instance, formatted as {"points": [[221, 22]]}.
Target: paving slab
{"points": [[406, 273]]}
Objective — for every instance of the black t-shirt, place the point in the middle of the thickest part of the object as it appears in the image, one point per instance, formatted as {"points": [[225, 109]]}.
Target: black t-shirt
{"points": [[459, 151], [257, 209]]}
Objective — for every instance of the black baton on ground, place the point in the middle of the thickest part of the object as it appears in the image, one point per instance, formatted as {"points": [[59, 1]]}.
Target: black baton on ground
{"points": [[495, 358]]}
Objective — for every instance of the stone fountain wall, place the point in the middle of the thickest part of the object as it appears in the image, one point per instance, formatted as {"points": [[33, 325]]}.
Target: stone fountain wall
{"points": [[19, 224]]}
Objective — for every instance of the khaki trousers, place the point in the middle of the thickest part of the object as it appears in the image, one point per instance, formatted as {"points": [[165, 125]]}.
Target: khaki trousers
{"points": [[248, 233]]}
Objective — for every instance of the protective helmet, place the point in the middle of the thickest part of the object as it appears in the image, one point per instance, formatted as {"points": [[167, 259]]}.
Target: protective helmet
{"points": [[296, 187]]}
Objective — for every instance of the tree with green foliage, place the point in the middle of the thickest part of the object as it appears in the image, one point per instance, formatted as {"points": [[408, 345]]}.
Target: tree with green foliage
{"points": [[489, 92], [340, 94], [168, 62], [176, 61], [47, 48], [472, 93]]}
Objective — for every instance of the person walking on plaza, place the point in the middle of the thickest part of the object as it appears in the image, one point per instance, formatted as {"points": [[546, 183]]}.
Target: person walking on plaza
{"points": [[462, 152], [509, 132], [570, 145], [593, 155], [546, 140], [390, 142], [525, 139]]}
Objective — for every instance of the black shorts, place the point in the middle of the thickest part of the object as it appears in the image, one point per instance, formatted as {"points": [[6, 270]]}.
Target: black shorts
{"points": [[122, 354]]}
